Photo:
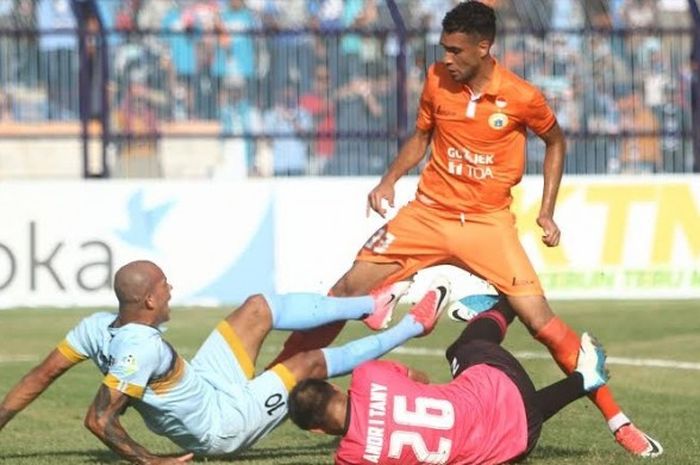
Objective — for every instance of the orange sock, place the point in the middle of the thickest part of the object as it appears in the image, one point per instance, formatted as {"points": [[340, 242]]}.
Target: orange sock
{"points": [[301, 341], [563, 343]]}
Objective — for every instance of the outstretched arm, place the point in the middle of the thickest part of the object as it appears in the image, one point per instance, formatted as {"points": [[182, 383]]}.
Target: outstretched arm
{"points": [[411, 153], [32, 385], [555, 150], [103, 421]]}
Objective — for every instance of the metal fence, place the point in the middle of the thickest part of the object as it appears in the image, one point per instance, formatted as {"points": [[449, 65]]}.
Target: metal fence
{"points": [[245, 98]]}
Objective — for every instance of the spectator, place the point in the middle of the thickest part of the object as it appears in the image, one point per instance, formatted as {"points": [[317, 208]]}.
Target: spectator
{"points": [[236, 54], [320, 105], [58, 57], [638, 154], [326, 20], [19, 79], [355, 49], [90, 76], [639, 14], [287, 119], [7, 58], [239, 120], [656, 78], [365, 104], [326, 14], [291, 48], [603, 121], [140, 56], [180, 25], [204, 17], [108, 10], [152, 12], [137, 120], [23, 69]]}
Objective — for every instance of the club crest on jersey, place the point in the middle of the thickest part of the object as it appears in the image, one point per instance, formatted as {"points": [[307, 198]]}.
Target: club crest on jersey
{"points": [[129, 365], [498, 121]]}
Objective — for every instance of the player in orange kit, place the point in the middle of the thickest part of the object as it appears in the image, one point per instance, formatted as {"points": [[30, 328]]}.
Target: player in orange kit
{"points": [[475, 113]]}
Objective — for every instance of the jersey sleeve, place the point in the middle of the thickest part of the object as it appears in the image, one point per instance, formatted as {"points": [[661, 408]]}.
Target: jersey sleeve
{"points": [[538, 114], [425, 120], [133, 363], [76, 345]]}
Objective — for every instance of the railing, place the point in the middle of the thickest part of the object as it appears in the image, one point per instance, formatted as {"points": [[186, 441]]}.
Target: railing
{"points": [[334, 101]]}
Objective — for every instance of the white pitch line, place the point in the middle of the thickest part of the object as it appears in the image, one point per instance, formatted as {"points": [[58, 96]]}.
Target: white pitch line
{"points": [[637, 362], [424, 351]]}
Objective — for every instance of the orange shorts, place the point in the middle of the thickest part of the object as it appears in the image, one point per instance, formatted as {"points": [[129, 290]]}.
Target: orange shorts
{"points": [[485, 244]]}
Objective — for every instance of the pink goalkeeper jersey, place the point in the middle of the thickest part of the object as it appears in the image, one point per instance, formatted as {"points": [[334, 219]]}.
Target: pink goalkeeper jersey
{"points": [[478, 418]]}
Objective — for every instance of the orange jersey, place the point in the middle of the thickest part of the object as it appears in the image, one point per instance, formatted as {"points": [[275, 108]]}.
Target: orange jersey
{"points": [[478, 142]]}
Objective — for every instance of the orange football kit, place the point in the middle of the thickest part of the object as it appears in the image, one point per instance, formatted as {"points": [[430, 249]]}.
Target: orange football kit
{"points": [[461, 213]]}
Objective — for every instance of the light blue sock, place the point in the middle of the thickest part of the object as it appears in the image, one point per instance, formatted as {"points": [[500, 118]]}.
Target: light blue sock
{"points": [[341, 360], [305, 310]]}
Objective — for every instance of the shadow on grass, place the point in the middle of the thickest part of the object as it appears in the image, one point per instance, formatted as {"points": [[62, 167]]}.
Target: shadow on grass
{"points": [[279, 454], [93, 456], [550, 452]]}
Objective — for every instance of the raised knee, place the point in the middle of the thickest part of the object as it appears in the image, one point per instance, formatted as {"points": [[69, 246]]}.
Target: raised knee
{"points": [[254, 309], [344, 288], [256, 301]]}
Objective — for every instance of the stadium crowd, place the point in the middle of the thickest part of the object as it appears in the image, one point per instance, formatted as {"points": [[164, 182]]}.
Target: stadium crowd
{"points": [[309, 86]]}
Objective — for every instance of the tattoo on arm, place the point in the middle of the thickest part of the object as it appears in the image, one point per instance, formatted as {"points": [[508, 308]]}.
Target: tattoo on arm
{"points": [[108, 405], [32, 385]]}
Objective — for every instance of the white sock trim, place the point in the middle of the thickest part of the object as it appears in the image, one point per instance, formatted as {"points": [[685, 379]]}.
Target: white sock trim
{"points": [[618, 421]]}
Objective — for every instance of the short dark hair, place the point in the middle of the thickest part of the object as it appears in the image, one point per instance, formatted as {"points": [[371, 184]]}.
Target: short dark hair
{"points": [[471, 17], [308, 403]]}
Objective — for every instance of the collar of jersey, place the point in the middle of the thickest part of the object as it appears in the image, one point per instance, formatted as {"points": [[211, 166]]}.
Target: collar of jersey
{"points": [[495, 81], [139, 326]]}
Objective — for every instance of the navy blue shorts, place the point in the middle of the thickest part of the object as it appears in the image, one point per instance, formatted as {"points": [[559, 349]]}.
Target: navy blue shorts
{"points": [[480, 351]]}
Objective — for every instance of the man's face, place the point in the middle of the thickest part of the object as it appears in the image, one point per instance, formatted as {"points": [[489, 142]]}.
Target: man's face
{"points": [[161, 296], [463, 54]]}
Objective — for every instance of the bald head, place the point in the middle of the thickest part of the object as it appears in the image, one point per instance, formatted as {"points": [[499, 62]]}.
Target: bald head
{"points": [[134, 281]]}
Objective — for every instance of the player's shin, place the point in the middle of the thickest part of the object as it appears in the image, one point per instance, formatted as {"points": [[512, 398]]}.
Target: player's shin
{"points": [[563, 343], [299, 311], [302, 341], [341, 360]]}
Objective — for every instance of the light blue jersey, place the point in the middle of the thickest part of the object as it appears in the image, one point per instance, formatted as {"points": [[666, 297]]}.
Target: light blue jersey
{"points": [[212, 405]]}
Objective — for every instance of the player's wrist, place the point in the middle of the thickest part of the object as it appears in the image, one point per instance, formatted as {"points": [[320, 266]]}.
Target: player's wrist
{"points": [[389, 179]]}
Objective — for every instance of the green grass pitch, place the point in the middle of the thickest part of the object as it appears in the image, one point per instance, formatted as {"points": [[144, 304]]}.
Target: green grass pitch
{"points": [[665, 401]]}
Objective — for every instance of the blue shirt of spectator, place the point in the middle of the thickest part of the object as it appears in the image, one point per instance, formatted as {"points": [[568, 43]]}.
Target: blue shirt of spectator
{"points": [[290, 153], [351, 43], [182, 42], [327, 12], [56, 14], [108, 13], [239, 61]]}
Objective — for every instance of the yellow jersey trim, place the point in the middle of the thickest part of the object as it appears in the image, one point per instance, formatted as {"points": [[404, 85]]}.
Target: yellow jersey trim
{"points": [[69, 352], [234, 342], [165, 384], [285, 375], [130, 390]]}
